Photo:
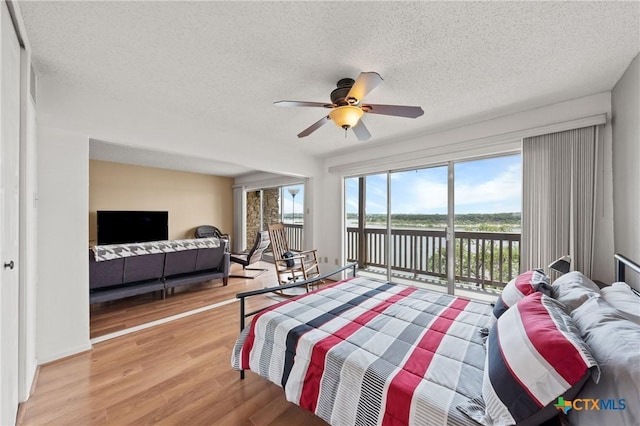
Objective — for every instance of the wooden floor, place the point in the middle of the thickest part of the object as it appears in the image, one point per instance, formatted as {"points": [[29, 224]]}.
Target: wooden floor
{"points": [[118, 315], [175, 373]]}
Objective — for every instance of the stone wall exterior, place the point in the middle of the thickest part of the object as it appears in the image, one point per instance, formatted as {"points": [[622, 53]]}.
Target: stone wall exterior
{"points": [[271, 207]]}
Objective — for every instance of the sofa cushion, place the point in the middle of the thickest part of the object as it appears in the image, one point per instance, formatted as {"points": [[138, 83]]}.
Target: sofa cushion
{"points": [[180, 262], [143, 268], [105, 274], [209, 258]]}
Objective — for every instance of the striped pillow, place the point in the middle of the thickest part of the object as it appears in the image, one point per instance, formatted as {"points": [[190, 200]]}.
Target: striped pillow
{"points": [[535, 354], [519, 287]]}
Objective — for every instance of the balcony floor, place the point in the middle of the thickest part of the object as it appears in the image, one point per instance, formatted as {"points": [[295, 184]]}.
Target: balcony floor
{"points": [[469, 291]]}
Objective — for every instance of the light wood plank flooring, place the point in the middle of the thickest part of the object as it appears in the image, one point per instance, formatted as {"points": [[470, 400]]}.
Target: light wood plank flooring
{"points": [[118, 315], [175, 373]]}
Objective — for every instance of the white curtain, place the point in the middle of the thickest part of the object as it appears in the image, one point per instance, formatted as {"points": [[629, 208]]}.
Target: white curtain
{"points": [[558, 174]]}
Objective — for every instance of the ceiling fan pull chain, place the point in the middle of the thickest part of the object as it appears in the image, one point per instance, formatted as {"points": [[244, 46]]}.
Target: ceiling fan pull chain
{"points": [[345, 132]]}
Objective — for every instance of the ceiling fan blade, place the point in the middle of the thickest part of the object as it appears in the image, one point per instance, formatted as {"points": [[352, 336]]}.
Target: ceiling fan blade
{"points": [[315, 126], [302, 104], [361, 131], [395, 110], [366, 82]]}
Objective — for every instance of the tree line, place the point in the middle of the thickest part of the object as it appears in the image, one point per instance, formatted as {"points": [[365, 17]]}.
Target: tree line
{"points": [[466, 218]]}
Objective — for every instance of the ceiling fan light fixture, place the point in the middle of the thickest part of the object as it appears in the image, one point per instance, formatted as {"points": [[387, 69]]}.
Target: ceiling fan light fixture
{"points": [[346, 116], [346, 108]]}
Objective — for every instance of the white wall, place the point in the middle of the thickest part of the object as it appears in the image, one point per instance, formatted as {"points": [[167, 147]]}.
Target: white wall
{"points": [[329, 227], [468, 139], [262, 180], [496, 136], [625, 105], [122, 123], [63, 235], [28, 238]]}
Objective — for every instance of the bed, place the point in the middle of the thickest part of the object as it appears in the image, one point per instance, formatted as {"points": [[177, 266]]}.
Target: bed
{"points": [[365, 352]]}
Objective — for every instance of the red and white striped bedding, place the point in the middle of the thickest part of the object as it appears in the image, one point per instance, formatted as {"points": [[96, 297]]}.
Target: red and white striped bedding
{"points": [[365, 352]]}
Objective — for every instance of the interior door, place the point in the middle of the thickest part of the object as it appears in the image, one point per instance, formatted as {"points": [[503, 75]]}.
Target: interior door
{"points": [[9, 226]]}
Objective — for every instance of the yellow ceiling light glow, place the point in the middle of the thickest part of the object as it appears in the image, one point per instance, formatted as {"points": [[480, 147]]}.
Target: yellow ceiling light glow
{"points": [[346, 116]]}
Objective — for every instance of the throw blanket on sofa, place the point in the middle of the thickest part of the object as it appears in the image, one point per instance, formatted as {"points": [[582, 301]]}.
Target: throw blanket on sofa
{"points": [[115, 251], [366, 352]]}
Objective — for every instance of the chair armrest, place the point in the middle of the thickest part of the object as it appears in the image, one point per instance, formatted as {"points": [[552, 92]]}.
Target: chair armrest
{"points": [[307, 251], [294, 257]]}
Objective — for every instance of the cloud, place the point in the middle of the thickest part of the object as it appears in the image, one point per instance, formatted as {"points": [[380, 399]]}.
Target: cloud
{"points": [[502, 193], [288, 205], [486, 186], [287, 201], [352, 205], [427, 197]]}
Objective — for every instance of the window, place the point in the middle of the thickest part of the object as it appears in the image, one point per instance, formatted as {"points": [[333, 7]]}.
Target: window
{"points": [[479, 201]]}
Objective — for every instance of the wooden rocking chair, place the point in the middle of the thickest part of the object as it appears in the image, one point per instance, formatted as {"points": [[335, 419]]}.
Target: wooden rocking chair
{"points": [[291, 265]]}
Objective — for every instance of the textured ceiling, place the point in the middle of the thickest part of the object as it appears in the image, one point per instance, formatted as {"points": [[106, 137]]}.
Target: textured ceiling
{"points": [[225, 63]]}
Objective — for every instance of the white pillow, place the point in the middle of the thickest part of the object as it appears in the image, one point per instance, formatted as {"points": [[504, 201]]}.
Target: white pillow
{"points": [[615, 344], [573, 289], [620, 296]]}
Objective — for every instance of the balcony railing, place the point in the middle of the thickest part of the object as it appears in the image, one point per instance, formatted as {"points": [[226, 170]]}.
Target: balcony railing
{"points": [[486, 259]]}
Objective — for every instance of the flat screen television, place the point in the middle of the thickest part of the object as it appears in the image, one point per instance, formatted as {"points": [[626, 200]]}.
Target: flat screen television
{"points": [[120, 227]]}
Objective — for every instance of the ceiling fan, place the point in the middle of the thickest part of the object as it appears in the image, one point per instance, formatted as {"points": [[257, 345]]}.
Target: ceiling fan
{"points": [[347, 108]]}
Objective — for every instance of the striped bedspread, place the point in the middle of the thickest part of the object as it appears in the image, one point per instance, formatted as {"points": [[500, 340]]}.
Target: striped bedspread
{"points": [[362, 352]]}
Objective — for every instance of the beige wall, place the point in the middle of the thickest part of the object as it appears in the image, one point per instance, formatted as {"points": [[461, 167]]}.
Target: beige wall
{"points": [[191, 199]]}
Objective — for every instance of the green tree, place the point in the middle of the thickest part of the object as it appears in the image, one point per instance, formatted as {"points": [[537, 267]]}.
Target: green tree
{"points": [[482, 259]]}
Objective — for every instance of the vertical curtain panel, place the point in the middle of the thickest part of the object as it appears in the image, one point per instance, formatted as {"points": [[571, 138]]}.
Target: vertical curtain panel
{"points": [[558, 209]]}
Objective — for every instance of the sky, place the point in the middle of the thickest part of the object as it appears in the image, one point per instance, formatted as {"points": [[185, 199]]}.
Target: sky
{"points": [[490, 185], [287, 203]]}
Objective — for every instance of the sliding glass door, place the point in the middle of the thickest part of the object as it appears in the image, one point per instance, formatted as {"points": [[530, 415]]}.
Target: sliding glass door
{"points": [[488, 203], [418, 223], [367, 223], [452, 228]]}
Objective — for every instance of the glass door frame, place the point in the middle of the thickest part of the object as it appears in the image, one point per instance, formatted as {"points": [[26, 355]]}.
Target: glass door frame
{"points": [[450, 227], [450, 234]]}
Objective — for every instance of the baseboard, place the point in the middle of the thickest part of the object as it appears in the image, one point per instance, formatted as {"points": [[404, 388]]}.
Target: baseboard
{"points": [[35, 379], [65, 354], [21, 406], [20, 414]]}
